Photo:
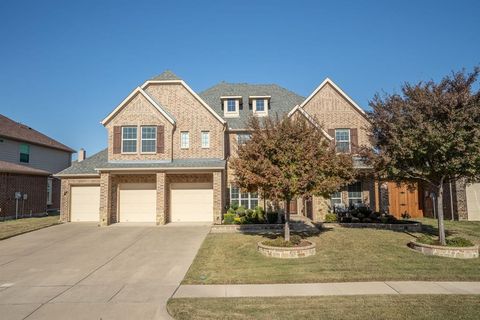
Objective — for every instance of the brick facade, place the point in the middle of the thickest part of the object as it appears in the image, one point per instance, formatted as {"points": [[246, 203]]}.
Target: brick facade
{"points": [[34, 186]]}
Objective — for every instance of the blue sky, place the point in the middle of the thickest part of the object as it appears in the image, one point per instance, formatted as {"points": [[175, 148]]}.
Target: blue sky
{"points": [[64, 65]]}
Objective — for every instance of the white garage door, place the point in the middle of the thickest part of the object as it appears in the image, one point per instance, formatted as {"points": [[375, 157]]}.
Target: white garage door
{"points": [[138, 202], [85, 203], [190, 202], [473, 201]]}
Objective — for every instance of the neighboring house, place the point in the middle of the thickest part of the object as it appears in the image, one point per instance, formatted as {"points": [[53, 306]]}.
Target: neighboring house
{"points": [[28, 160], [168, 151]]}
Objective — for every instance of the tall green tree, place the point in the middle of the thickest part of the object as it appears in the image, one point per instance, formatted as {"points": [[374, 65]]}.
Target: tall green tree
{"points": [[429, 132], [290, 157]]}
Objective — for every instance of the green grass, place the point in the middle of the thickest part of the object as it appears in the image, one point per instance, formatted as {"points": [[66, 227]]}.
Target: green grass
{"points": [[466, 229], [11, 228], [339, 307], [343, 254]]}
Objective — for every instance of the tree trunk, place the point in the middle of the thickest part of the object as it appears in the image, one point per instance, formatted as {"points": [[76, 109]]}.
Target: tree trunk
{"points": [[287, 220], [441, 227]]}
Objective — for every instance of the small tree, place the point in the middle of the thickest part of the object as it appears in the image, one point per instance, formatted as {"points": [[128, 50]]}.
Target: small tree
{"points": [[430, 132], [289, 157]]}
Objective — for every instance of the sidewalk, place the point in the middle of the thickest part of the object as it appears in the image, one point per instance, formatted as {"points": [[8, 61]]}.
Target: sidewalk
{"points": [[326, 289]]}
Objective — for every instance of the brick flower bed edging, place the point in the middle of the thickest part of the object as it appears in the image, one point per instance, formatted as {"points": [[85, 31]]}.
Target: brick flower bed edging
{"points": [[443, 251], [412, 227], [234, 228], [287, 252]]}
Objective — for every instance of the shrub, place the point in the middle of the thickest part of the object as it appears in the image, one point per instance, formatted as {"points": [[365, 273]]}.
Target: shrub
{"points": [[405, 215], [241, 211], [459, 242], [330, 217], [239, 220], [234, 206], [295, 240], [272, 217], [260, 213], [231, 211], [228, 218], [355, 220]]}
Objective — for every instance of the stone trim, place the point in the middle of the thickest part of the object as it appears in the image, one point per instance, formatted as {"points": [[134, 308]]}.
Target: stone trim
{"points": [[441, 251], [287, 252]]}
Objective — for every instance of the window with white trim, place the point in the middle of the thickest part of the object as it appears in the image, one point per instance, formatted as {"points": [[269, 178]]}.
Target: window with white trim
{"points": [[205, 139], [342, 140], [149, 139], [129, 139], [249, 200], [336, 198], [231, 105], [242, 138], [259, 105], [184, 140], [49, 190], [354, 193]]}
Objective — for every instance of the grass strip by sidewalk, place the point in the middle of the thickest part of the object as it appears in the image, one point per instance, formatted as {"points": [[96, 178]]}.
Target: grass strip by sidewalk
{"points": [[11, 228], [425, 307]]}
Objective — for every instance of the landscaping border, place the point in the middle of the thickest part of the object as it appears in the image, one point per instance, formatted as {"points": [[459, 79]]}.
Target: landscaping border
{"points": [[444, 251], [411, 227], [287, 252]]}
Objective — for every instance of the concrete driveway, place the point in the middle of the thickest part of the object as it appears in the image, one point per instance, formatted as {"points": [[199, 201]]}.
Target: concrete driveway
{"points": [[81, 271]]}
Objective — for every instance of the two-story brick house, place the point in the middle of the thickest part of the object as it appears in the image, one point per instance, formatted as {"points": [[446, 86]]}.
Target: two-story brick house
{"points": [[168, 151], [28, 160]]}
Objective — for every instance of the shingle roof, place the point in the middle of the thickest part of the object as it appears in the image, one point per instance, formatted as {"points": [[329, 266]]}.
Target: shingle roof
{"points": [[281, 102], [17, 168], [100, 161], [166, 75], [15, 130]]}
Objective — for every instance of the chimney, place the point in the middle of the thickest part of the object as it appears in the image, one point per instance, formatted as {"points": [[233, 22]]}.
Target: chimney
{"points": [[81, 155]]}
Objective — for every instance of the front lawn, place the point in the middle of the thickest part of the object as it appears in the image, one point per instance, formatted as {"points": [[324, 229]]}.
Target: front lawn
{"points": [[391, 307], [12, 228], [343, 254]]}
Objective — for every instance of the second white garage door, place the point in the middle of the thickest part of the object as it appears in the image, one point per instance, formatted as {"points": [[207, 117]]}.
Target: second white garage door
{"points": [[191, 202], [138, 202], [85, 203]]}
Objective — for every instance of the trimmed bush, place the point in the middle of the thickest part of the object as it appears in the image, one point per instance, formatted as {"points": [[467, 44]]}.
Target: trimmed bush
{"points": [[241, 211], [231, 211], [228, 218], [295, 240], [330, 217], [272, 217]]}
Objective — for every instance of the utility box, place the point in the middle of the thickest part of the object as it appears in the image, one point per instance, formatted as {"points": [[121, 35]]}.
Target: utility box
{"points": [[18, 195]]}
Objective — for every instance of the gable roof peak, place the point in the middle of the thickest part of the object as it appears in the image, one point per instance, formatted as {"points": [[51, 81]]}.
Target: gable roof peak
{"points": [[166, 75]]}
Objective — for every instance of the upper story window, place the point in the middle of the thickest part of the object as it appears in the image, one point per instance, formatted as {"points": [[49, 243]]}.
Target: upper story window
{"points": [[184, 140], [259, 105], [342, 140], [205, 139], [242, 138], [24, 153], [129, 139], [231, 105], [149, 139]]}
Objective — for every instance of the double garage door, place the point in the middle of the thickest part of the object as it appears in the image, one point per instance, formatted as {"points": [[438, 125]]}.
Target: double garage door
{"points": [[137, 202]]}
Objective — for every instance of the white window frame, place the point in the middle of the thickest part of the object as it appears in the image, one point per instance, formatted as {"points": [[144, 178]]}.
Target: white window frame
{"points": [[205, 139], [136, 140], [359, 197], [236, 101], [343, 141], [148, 139], [334, 198], [49, 191], [262, 113], [249, 198], [184, 144]]}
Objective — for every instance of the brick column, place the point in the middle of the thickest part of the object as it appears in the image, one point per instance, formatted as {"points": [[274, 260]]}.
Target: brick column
{"points": [[105, 199], [65, 201], [161, 198], [217, 197]]}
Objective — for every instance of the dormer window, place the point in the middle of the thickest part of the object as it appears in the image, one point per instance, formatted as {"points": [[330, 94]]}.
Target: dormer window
{"points": [[231, 106], [260, 105]]}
